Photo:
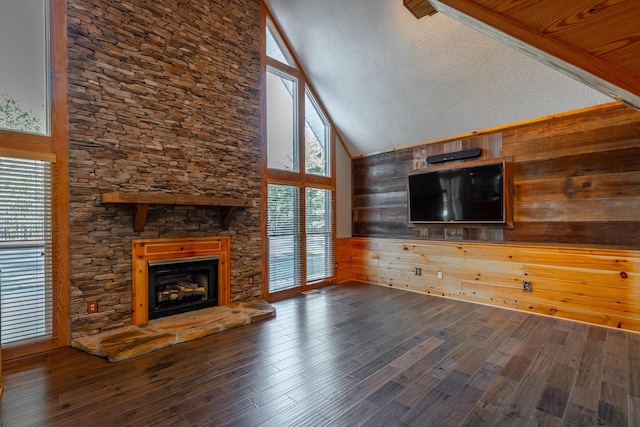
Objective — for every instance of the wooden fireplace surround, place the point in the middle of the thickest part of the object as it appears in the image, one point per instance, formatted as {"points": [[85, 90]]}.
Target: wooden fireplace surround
{"points": [[145, 250]]}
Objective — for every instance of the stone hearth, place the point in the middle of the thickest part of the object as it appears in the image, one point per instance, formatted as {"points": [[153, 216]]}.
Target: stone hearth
{"points": [[123, 343]]}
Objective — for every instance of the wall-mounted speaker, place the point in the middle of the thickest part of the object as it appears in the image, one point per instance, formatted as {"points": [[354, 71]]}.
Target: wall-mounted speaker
{"points": [[456, 155]]}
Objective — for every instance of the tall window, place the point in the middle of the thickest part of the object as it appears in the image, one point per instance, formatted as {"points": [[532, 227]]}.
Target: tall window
{"points": [[284, 237], [319, 233], [300, 186], [25, 249], [282, 121], [24, 66], [33, 156], [316, 138]]}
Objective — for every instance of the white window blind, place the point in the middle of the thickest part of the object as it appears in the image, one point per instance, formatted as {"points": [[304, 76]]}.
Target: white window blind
{"points": [[319, 233], [25, 250], [283, 237]]}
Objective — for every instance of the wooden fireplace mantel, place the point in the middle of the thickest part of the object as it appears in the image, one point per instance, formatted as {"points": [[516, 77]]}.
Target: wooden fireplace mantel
{"points": [[141, 202]]}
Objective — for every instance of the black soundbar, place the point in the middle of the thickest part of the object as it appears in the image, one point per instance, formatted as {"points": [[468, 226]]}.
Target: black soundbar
{"points": [[456, 155]]}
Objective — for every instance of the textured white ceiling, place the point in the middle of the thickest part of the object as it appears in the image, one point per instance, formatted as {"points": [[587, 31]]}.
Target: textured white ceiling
{"points": [[389, 80]]}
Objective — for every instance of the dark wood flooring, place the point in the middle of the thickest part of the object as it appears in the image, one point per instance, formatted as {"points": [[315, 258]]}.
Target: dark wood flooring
{"points": [[349, 355]]}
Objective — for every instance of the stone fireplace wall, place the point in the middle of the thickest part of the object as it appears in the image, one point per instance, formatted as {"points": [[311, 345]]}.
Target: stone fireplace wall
{"points": [[163, 96]]}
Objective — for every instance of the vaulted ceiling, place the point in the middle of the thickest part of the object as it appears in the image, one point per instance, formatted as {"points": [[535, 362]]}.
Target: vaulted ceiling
{"points": [[389, 79]]}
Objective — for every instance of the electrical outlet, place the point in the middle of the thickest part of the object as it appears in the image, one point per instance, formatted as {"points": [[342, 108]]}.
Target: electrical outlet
{"points": [[418, 271], [439, 274], [251, 280], [336, 265], [92, 307], [526, 286]]}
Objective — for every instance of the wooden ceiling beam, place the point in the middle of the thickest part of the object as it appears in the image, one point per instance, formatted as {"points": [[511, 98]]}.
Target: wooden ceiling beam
{"points": [[420, 8]]}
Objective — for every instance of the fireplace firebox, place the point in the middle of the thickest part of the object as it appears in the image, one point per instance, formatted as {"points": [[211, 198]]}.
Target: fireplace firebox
{"points": [[182, 284]]}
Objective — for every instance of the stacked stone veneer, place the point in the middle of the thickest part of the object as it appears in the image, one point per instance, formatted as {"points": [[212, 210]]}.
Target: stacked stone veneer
{"points": [[163, 96]]}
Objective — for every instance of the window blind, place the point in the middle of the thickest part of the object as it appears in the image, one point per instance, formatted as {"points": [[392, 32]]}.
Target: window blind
{"points": [[25, 250], [283, 237], [319, 233]]}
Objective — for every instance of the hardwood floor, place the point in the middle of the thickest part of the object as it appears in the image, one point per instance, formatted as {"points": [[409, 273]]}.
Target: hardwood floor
{"points": [[349, 355]]}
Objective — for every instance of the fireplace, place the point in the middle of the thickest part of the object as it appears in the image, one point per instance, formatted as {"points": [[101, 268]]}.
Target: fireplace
{"points": [[182, 284], [172, 276]]}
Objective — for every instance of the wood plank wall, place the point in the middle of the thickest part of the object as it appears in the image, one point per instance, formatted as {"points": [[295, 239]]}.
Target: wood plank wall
{"points": [[576, 180], [576, 236], [343, 258], [599, 286]]}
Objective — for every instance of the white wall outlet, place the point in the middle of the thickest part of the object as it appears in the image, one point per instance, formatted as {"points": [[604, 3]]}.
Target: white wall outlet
{"points": [[439, 274]]}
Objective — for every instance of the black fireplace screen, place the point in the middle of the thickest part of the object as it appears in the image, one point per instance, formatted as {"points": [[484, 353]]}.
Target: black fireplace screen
{"points": [[182, 284]]}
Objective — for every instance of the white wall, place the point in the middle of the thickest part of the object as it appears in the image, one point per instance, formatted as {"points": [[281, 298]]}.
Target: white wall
{"points": [[343, 191], [389, 80]]}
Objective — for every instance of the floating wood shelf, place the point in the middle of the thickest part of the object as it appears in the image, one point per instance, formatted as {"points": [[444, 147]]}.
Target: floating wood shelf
{"points": [[141, 202]]}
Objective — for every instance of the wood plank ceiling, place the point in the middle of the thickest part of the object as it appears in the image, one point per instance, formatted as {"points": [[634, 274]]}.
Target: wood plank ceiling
{"points": [[595, 41]]}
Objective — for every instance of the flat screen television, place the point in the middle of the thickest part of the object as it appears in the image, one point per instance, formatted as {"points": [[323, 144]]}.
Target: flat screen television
{"points": [[466, 194]]}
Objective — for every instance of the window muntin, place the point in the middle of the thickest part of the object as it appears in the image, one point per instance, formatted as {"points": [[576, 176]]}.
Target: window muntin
{"points": [[24, 91], [282, 119]]}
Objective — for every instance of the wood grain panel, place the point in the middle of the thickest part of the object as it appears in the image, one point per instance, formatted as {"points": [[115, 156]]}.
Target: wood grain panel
{"points": [[611, 209], [575, 23], [490, 144], [584, 164], [379, 202], [387, 199], [594, 285], [583, 187], [575, 177], [584, 120], [623, 233], [343, 258], [383, 213], [380, 186], [551, 304], [397, 229], [570, 144]]}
